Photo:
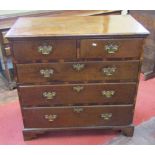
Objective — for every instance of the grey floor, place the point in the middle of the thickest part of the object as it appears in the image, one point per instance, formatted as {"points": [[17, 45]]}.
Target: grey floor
{"points": [[144, 133]]}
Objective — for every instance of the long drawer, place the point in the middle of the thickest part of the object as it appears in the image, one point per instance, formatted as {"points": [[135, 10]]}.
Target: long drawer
{"points": [[84, 116], [78, 71], [76, 94], [27, 51], [112, 48]]}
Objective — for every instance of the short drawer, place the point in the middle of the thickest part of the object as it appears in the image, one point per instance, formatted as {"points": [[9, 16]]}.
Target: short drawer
{"points": [[77, 94], [86, 116], [78, 71], [27, 51], [112, 48]]}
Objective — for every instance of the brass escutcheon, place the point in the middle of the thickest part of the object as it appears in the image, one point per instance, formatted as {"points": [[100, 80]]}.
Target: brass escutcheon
{"points": [[106, 116], [50, 117], [78, 67], [49, 95], [111, 48], [45, 49], [108, 93], [78, 88], [47, 72], [108, 71], [78, 109]]}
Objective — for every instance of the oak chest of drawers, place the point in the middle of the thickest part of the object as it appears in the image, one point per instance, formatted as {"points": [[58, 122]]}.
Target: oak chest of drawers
{"points": [[77, 72]]}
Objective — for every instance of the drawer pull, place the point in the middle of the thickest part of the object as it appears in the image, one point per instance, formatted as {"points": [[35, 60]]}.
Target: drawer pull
{"points": [[78, 109], [111, 48], [45, 49], [49, 95], [78, 67], [108, 71], [106, 116], [47, 72], [108, 94], [50, 117], [78, 88]]}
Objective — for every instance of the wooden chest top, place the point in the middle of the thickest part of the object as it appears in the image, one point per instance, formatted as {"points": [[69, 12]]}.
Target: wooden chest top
{"points": [[99, 26]]}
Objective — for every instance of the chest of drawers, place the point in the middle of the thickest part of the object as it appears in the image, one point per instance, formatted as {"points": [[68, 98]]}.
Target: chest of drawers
{"points": [[77, 73]]}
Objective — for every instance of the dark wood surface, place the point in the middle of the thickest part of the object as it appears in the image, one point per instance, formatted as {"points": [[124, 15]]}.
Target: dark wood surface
{"points": [[92, 71], [6, 21], [27, 51], [70, 117], [118, 71], [31, 133], [82, 26], [69, 94], [127, 48]]}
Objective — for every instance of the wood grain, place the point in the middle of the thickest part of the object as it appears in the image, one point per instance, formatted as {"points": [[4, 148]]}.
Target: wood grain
{"points": [[27, 51], [127, 48], [67, 117], [92, 71], [82, 26], [66, 90], [67, 95]]}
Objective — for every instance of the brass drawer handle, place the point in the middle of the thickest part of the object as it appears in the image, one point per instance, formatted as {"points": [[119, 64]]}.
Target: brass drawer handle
{"points": [[45, 49], [78, 109], [111, 48], [49, 95], [106, 116], [108, 93], [78, 88], [46, 72], [78, 67], [50, 117], [108, 71]]}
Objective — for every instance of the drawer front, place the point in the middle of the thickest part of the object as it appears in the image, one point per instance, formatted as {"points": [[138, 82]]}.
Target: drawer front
{"points": [[86, 116], [80, 71], [27, 51], [74, 94], [114, 48]]}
